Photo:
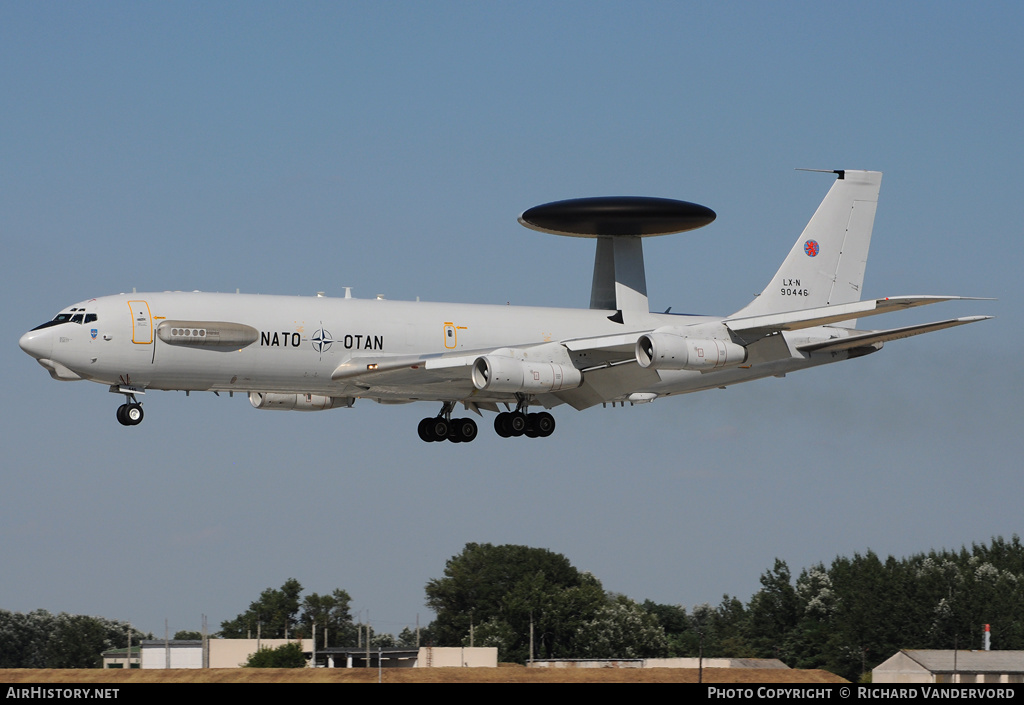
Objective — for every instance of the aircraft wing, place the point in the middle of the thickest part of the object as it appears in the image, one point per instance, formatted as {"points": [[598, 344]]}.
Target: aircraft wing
{"points": [[598, 350], [609, 363], [753, 327], [882, 336]]}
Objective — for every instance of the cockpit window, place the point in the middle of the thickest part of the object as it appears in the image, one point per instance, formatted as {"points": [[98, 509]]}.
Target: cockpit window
{"points": [[69, 318]]}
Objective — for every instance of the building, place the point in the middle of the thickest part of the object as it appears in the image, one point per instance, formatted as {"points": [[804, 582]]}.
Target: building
{"points": [[188, 653], [659, 663], [115, 658], [955, 666], [232, 653]]}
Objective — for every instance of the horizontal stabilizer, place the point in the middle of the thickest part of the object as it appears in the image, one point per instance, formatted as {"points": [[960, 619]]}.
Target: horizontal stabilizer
{"points": [[882, 336], [752, 327]]}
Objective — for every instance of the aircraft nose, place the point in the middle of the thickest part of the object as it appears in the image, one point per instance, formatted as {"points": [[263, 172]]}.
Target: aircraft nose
{"points": [[37, 343]]}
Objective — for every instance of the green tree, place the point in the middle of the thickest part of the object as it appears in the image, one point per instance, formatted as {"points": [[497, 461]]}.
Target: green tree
{"points": [[407, 638], [39, 639], [332, 617], [622, 629], [77, 641], [273, 616], [23, 638], [284, 656], [773, 613], [188, 635], [676, 623], [498, 590]]}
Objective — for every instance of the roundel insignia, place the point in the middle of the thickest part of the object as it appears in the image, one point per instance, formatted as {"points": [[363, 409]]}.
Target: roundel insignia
{"points": [[811, 248], [321, 341]]}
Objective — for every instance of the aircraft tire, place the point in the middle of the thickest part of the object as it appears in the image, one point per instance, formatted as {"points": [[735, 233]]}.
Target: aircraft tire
{"points": [[121, 418], [544, 424], [133, 414], [438, 429], [464, 430], [517, 423], [501, 424], [423, 430]]}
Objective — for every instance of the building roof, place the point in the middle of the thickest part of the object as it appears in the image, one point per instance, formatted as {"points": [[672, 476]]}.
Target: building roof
{"points": [[362, 651], [114, 653], [942, 661]]}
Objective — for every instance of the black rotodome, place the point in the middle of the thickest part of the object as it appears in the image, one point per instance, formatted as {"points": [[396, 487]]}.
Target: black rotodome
{"points": [[617, 215]]}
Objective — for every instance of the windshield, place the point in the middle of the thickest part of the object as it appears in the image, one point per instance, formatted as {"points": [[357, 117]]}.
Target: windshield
{"points": [[74, 316]]}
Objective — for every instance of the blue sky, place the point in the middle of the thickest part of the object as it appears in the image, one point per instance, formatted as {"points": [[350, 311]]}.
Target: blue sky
{"points": [[291, 148]]}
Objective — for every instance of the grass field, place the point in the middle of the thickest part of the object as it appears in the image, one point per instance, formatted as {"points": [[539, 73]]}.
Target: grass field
{"points": [[503, 674]]}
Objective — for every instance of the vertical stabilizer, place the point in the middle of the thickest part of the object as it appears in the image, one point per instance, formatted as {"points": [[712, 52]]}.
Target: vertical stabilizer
{"points": [[826, 265]]}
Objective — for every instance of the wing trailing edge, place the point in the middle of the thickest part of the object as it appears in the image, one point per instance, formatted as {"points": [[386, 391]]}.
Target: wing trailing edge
{"points": [[883, 336], [753, 327]]}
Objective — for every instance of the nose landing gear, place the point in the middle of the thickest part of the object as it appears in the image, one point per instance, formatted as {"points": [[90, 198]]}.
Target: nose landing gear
{"points": [[129, 413]]}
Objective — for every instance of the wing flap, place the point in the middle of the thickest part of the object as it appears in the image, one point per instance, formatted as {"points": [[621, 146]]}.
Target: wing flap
{"points": [[611, 343], [882, 336], [756, 326]]}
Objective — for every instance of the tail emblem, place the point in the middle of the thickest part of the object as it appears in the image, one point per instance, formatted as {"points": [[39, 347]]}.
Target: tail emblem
{"points": [[811, 248]]}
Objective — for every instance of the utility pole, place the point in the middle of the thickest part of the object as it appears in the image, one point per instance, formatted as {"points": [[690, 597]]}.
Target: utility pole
{"points": [[700, 662]]}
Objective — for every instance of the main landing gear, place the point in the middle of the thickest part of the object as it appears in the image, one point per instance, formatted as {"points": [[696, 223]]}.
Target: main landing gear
{"points": [[444, 428], [512, 424], [508, 424]]}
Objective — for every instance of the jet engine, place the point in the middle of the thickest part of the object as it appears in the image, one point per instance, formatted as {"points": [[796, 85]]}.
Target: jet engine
{"points": [[494, 373], [298, 402], [669, 351]]}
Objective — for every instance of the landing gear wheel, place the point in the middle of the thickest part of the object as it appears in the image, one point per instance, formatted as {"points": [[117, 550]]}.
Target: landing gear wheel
{"points": [[501, 425], [438, 429], [462, 431], [133, 414], [424, 430], [129, 414], [543, 424], [516, 423]]}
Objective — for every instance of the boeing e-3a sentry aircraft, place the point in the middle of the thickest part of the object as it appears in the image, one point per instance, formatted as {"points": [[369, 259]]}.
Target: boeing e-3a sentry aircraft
{"points": [[317, 353]]}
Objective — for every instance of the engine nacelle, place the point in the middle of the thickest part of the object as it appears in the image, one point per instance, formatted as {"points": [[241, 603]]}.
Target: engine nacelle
{"points": [[298, 402], [667, 351], [495, 373]]}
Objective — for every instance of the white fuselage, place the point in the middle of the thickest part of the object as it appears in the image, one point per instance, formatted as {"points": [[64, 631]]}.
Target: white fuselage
{"points": [[300, 341]]}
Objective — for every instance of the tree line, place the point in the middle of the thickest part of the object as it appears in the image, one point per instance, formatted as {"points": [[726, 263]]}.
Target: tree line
{"points": [[846, 617], [39, 639]]}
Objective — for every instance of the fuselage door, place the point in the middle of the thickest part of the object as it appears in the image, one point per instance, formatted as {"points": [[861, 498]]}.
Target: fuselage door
{"points": [[450, 336], [142, 323]]}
